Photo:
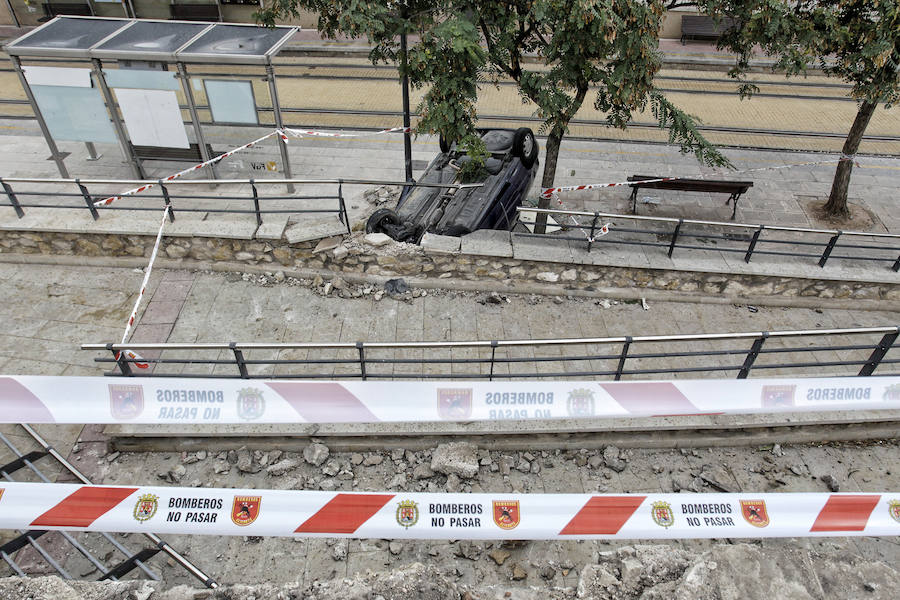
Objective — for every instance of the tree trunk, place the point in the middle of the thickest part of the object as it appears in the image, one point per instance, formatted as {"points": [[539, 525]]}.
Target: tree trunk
{"points": [[837, 200], [551, 155]]}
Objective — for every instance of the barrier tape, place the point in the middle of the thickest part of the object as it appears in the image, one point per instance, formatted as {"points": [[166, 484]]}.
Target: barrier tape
{"points": [[331, 134], [389, 515], [150, 400], [554, 191], [147, 186]]}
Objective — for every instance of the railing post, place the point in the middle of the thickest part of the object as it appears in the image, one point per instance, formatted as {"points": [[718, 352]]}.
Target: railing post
{"points": [[239, 359], [256, 202], [829, 248], [896, 266], [623, 357], [342, 211], [593, 229], [167, 200], [675, 237], [121, 360], [362, 359], [880, 350], [493, 354], [15, 201], [752, 355], [88, 200], [753, 241]]}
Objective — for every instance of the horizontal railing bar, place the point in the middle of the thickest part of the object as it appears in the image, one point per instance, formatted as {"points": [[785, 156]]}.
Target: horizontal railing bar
{"points": [[551, 211], [488, 343], [240, 182]]}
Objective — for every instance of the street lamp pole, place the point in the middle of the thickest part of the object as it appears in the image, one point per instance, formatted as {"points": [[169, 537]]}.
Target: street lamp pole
{"points": [[404, 82]]}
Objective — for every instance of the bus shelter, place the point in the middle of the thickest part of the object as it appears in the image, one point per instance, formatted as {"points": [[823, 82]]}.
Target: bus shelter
{"points": [[135, 104]]}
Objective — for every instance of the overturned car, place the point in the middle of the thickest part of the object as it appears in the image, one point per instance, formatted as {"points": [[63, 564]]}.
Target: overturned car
{"points": [[509, 172]]}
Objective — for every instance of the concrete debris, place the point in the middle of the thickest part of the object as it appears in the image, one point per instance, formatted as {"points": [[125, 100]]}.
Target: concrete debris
{"points": [[517, 573], [356, 459], [331, 468], [373, 460], [459, 458], [499, 556], [453, 483], [611, 456], [832, 483], [422, 471], [315, 454], [395, 548], [469, 550], [339, 552], [245, 461], [282, 467], [377, 239]]}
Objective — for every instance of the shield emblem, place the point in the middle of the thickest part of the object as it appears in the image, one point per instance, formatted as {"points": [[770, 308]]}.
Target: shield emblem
{"points": [[774, 396], [146, 507], [245, 509], [893, 508], [126, 401], [754, 512], [662, 514], [407, 513], [506, 513], [454, 403], [892, 392], [580, 403], [250, 404]]}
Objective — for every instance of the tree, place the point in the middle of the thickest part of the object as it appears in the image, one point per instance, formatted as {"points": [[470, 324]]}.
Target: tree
{"points": [[556, 51], [856, 40]]}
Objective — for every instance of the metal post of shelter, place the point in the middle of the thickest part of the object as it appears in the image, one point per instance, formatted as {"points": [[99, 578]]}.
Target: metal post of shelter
{"points": [[195, 117], [117, 122], [55, 155], [407, 141], [13, 14], [279, 124]]}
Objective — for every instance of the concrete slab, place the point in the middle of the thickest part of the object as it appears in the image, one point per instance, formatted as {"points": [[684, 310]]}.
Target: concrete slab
{"points": [[488, 242], [440, 244], [305, 231]]}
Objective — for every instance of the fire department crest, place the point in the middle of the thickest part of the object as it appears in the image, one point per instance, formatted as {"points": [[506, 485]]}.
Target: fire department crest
{"points": [[245, 509], [507, 514], [754, 512], [892, 392], [146, 507], [662, 514], [407, 513], [250, 404], [454, 404], [893, 508], [774, 396], [580, 403], [126, 401]]}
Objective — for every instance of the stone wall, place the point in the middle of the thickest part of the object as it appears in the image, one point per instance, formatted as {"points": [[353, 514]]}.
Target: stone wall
{"points": [[354, 255]]}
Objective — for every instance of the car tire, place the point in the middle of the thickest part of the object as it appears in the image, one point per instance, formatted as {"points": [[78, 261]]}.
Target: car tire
{"points": [[444, 144], [525, 146], [380, 218]]}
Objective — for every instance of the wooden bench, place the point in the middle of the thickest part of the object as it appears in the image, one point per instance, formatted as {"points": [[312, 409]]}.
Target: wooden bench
{"points": [[195, 12], [191, 154], [733, 188], [701, 27], [52, 9]]}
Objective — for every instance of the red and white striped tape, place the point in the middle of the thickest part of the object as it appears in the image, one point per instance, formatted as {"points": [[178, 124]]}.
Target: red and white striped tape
{"points": [[215, 511], [147, 186], [331, 134], [37, 399], [137, 303]]}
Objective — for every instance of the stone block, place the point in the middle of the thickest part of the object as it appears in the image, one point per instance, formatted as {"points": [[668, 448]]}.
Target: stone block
{"points": [[487, 242], [440, 244]]}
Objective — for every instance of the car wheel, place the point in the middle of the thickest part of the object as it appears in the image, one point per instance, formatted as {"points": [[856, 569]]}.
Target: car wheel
{"points": [[525, 146], [380, 218], [444, 144]]}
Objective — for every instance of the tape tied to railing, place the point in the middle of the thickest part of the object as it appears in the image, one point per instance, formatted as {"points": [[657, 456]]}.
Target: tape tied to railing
{"points": [[152, 400], [483, 516]]}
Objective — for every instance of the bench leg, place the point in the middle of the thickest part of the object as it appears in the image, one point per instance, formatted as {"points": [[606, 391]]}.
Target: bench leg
{"points": [[634, 191], [735, 198]]}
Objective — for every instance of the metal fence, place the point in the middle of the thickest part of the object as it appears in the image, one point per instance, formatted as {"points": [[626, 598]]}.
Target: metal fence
{"points": [[858, 351], [70, 557], [741, 239], [249, 196]]}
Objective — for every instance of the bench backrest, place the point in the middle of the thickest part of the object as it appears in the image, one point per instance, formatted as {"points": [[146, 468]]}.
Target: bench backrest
{"points": [[703, 25], [195, 12], [693, 185], [67, 8]]}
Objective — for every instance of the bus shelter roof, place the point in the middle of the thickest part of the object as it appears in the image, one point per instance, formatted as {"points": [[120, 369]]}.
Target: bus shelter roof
{"points": [[152, 40]]}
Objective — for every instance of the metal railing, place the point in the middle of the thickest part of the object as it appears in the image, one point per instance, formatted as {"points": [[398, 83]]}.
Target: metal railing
{"points": [[741, 239], [163, 193], [857, 351], [29, 539]]}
